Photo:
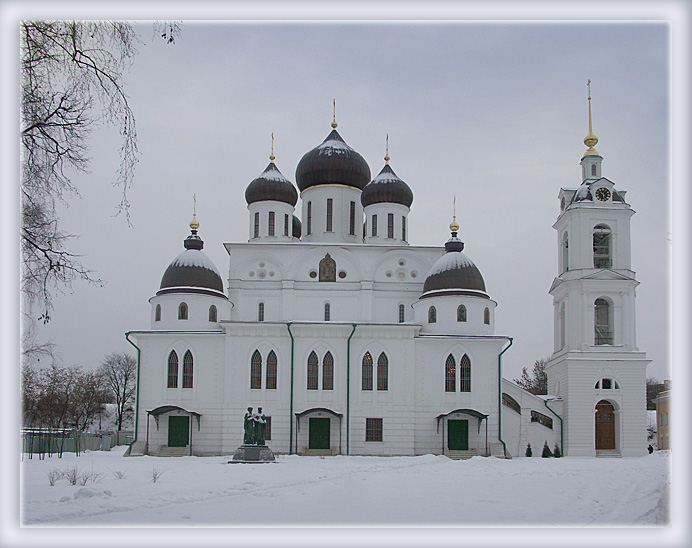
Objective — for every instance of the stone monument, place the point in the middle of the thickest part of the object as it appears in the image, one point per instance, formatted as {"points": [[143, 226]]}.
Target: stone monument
{"points": [[254, 449]]}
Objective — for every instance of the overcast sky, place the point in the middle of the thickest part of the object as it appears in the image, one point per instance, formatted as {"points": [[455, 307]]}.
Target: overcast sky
{"points": [[492, 113]]}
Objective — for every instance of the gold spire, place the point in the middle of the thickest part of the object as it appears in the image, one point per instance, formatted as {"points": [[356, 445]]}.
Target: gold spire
{"points": [[194, 223], [386, 154], [334, 124], [454, 226], [590, 140], [271, 156]]}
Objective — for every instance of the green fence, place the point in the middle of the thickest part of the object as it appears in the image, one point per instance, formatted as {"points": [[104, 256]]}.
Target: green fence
{"points": [[56, 443]]}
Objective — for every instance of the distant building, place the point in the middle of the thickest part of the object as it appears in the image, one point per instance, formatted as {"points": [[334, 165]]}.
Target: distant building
{"points": [[354, 342], [663, 416]]}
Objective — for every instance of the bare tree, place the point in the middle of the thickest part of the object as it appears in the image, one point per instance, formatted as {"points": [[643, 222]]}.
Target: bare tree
{"points": [[537, 383], [119, 371]]}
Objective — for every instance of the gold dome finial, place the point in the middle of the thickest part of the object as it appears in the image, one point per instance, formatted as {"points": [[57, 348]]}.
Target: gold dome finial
{"points": [[590, 140], [194, 223], [271, 156], [334, 124], [454, 226], [386, 154]]}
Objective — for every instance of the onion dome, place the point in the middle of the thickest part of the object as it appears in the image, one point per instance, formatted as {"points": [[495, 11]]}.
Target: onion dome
{"points": [[386, 187], [271, 185], [454, 273], [332, 162], [297, 227], [192, 270]]}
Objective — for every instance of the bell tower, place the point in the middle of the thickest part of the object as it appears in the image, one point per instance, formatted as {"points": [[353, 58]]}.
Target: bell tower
{"points": [[596, 367]]}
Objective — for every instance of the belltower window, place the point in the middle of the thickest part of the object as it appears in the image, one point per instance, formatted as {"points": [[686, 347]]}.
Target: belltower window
{"points": [[561, 320], [271, 223], [330, 207], [593, 170], [601, 246], [157, 313], [603, 322], [182, 311], [256, 370], [565, 253]]}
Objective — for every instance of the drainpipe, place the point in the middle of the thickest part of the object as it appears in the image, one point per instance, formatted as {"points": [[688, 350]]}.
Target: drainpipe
{"points": [[499, 396], [348, 387], [127, 336], [562, 431], [290, 418]]}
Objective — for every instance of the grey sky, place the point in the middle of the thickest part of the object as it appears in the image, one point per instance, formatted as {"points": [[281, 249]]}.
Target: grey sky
{"points": [[492, 113]]}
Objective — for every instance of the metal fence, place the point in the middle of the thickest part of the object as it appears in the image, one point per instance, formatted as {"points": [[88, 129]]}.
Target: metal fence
{"points": [[71, 441]]}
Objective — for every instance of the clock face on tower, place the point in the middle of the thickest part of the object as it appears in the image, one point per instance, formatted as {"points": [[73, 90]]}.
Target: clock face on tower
{"points": [[603, 194]]}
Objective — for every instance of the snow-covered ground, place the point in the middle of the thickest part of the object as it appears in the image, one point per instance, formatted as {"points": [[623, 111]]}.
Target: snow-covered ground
{"points": [[425, 491]]}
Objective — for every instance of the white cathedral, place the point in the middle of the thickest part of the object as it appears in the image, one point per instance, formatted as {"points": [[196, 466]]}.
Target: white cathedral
{"points": [[353, 342]]}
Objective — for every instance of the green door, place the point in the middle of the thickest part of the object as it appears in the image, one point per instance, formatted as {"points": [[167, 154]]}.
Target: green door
{"points": [[458, 435], [178, 431], [319, 433]]}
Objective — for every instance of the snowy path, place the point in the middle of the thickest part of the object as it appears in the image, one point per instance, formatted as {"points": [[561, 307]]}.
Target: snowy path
{"points": [[398, 491]]}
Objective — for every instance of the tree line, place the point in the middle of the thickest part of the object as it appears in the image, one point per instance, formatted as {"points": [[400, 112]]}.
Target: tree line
{"points": [[66, 398]]}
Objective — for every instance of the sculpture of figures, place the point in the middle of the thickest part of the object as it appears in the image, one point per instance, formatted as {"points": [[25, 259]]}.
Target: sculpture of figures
{"points": [[260, 426], [249, 426]]}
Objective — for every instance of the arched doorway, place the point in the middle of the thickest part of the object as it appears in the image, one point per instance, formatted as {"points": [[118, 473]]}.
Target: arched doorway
{"points": [[605, 426]]}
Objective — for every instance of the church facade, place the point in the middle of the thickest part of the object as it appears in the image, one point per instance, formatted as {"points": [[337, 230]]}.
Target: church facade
{"points": [[354, 342]]}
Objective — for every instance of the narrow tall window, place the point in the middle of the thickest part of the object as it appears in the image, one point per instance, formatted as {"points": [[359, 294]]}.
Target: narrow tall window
{"points": [[256, 370], [327, 312], [603, 326], [367, 372], [432, 315], [390, 225], [486, 316], [312, 371], [328, 372], [309, 228], [403, 228], [373, 429], [461, 313], [212, 313], [172, 370], [330, 206], [182, 311], [271, 223], [157, 314], [382, 372], [187, 370], [561, 321], [601, 247], [465, 374], [256, 228], [374, 226], [450, 374], [260, 312], [286, 219], [402, 313], [271, 371], [565, 253], [593, 170], [352, 220]]}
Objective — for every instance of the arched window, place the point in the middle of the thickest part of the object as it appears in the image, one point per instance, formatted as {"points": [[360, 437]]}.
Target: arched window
{"points": [[461, 313], [593, 170], [382, 372], [328, 372], [157, 314], [271, 371], [312, 371], [603, 322], [402, 313], [373, 226], [510, 402], [271, 223], [565, 253], [257, 224], [601, 247], [465, 374], [327, 312], [182, 311], [367, 372], [561, 321], [432, 315], [486, 316], [173, 370], [212, 313], [256, 370], [330, 207], [309, 223], [450, 374], [260, 312], [187, 370]]}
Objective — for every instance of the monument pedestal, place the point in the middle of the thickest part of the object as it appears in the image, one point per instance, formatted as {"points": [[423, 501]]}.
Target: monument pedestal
{"points": [[253, 454]]}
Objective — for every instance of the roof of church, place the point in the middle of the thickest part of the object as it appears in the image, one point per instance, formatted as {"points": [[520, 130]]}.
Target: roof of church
{"points": [[387, 187], [332, 162], [271, 185]]}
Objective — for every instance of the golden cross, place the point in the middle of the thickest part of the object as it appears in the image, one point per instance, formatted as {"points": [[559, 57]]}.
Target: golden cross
{"points": [[194, 197]]}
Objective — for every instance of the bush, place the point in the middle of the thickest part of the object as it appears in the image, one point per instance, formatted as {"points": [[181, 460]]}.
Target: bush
{"points": [[556, 451], [547, 453], [529, 452]]}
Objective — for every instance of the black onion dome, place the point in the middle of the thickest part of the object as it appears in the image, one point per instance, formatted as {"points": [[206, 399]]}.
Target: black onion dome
{"points": [[386, 187], [454, 273], [332, 162], [192, 271], [297, 227], [271, 185]]}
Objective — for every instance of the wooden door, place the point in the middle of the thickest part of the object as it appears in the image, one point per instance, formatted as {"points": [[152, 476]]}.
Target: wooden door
{"points": [[178, 431], [605, 425], [457, 435], [319, 433]]}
